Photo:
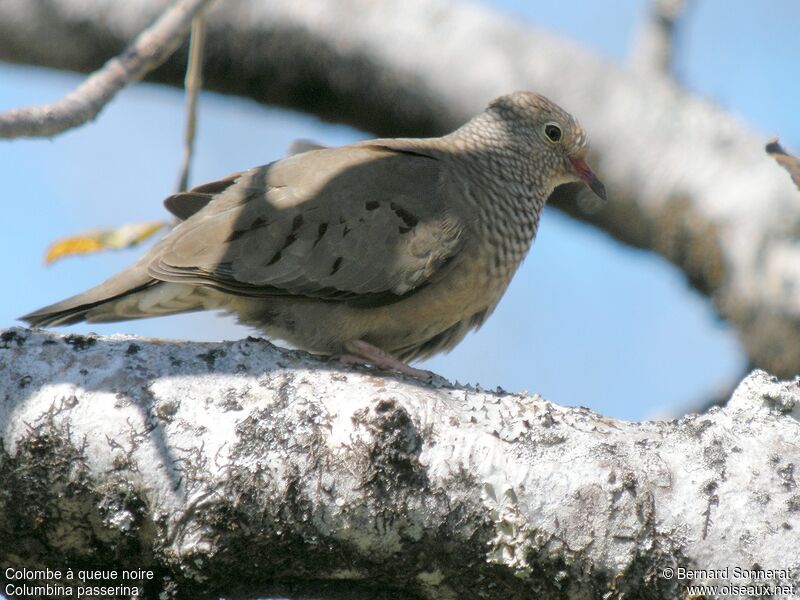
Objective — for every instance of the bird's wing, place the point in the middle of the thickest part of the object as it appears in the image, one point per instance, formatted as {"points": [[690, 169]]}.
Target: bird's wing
{"points": [[364, 224], [184, 204]]}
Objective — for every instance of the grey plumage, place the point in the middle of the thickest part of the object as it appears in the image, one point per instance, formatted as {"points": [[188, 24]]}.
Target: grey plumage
{"points": [[406, 244]]}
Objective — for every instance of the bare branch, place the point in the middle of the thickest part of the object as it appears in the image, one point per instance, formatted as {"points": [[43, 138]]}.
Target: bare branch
{"points": [[194, 81], [240, 470], [151, 48], [654, 48]]}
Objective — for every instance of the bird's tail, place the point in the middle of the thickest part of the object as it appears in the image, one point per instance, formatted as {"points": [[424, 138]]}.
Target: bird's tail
{"points": [[132, 294]]}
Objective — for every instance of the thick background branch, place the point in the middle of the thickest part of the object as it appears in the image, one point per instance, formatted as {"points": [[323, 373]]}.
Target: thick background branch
{"points": [[240, 469], [685, 179]]}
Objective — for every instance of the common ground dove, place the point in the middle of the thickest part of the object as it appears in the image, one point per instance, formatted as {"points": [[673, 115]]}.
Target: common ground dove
{"points": [[382, 251]]}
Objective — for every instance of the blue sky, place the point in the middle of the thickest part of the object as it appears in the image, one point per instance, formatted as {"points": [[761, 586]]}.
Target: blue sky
{"points": [[586, 321]]}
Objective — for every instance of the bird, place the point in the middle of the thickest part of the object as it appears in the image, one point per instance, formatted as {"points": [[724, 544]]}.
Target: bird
{"points": [[380, 252]]}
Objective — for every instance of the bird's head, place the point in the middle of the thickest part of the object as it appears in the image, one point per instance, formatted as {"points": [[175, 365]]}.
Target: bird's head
{"points": [[549, 140]]}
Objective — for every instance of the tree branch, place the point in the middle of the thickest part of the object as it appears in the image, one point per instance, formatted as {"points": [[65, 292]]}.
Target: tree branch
{"points": [[684, 178], [784, 159], [244, 470], [193, 83], [151, 48], [655, 42]]}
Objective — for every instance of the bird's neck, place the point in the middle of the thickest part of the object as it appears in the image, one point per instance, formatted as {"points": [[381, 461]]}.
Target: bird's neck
{"points": [[507, 224], [498, 198]]}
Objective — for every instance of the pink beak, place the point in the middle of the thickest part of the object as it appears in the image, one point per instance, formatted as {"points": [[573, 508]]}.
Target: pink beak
{"points": [[583, 171]]}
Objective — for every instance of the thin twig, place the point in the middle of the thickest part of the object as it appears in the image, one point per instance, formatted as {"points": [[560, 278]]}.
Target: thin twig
{"points": [[193, 83], [784, 159], [655, 45], [151, 48]]}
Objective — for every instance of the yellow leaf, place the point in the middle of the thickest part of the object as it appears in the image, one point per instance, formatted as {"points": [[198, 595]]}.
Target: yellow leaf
{"points": [[97, 240]]}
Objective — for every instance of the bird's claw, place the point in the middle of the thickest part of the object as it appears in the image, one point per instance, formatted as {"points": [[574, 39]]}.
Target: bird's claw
{"points": [[359, 352]]}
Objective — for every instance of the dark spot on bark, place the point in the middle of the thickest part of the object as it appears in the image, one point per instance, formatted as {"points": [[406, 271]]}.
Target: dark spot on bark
{"points": [[336, 265], [275, 258], [84, 372], [409, 219], [385, 405], [403, 230], [371, 205], [211, 356], [397, 446], [132, 349], [793, 504], [80, 342], [11, 336], [323, 227], [25, 381], [346, 230], [787, 476], [49, 342], [175, 362], [167, 409]]}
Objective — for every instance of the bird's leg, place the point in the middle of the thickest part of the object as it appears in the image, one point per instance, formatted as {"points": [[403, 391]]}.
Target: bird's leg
{"points": [[359, 351]]}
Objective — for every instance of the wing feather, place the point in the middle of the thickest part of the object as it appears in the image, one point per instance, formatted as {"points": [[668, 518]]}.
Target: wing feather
{"points": [[364, 224]]}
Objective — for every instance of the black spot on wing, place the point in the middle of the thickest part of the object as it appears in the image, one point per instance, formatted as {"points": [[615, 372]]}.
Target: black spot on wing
{"points": [[290, 239], [257, 223], [323, 227], [409, 219], [276, 257], [235, 235], [297, 223]]}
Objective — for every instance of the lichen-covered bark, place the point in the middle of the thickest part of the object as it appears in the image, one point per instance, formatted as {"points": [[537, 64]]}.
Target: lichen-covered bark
{"points": [[685, 179], [239, 469]]}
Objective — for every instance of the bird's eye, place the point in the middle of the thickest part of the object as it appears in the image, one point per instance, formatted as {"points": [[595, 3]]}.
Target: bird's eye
{"points": [[553, 132]]}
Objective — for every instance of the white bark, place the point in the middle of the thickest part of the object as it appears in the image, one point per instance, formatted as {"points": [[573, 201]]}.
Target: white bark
{"points": [[241, 469], [684, 178]]}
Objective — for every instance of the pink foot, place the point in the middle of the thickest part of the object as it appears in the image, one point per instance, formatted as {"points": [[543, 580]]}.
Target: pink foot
{"points": [[359, 352]]}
